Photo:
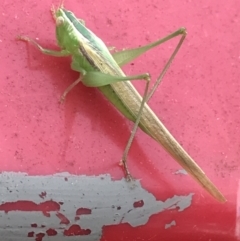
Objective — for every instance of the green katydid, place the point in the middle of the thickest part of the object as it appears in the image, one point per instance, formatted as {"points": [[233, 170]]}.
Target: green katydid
{"points": [[99, 68]]}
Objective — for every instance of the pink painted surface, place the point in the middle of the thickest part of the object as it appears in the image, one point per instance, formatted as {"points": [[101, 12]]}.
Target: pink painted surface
{"points": [[198, 101]]}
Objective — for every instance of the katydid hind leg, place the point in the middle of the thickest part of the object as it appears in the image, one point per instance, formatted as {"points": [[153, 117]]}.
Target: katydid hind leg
{"points": [[133, 133], [146, 97], [126, 56], [166, 67]]}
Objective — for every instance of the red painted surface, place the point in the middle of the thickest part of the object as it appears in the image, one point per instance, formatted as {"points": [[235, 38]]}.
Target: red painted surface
{"points": [[198, 101]]}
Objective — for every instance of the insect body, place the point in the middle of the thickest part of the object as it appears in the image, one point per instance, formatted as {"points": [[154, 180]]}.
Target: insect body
{"points": [[99, 68]]}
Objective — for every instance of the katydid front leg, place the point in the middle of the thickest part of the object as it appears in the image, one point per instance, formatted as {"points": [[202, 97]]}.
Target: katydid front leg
{"points": [[55, 53]]}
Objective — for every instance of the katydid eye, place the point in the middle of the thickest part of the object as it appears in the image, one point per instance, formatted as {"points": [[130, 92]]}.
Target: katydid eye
{"points": [[59, 21]]}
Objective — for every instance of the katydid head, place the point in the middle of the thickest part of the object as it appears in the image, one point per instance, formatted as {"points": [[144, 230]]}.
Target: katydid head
{"points": [[66, 33], [70, 31], [73, 36]]}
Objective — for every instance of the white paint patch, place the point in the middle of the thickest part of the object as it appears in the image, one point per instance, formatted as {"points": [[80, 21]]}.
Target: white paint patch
{"points": [[50, 208], [181, 172], [169, 225]]}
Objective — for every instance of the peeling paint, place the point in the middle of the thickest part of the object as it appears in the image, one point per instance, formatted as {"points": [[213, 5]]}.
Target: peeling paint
{"points": [[181, 172], [169, 225], [46, 208]]}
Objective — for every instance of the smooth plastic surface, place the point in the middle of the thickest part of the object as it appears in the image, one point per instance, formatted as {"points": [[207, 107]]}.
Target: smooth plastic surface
{"points": [[198, 101]]}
